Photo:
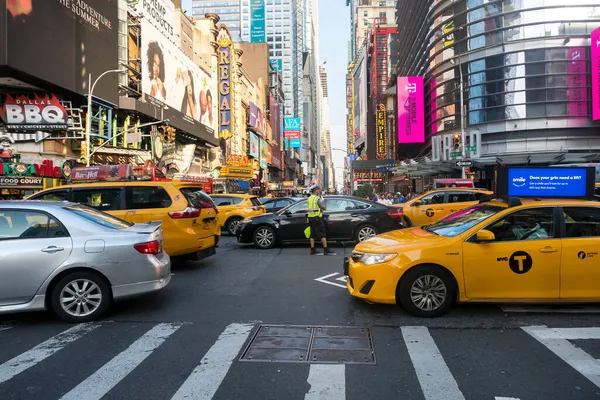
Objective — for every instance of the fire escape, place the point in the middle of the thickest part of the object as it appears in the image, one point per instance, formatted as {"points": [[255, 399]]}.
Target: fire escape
{"points": [[380, 55]]}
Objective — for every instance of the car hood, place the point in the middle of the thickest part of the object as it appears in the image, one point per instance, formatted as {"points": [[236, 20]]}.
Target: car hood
{"points": [[399, 240]]}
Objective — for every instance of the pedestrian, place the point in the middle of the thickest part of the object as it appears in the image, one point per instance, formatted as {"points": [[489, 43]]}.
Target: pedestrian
{"points": [[316, 206]]}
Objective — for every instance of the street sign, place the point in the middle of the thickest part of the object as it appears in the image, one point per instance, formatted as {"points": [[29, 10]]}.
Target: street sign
{"points": [[456, 154], [464, 163], [471, 148]]}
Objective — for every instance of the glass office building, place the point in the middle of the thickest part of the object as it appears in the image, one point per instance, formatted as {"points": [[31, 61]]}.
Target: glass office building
{"points": [[525, 68], [228, 10]]}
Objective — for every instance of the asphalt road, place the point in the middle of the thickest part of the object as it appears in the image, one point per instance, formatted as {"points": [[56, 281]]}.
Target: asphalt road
{"points": [[186, 342]]}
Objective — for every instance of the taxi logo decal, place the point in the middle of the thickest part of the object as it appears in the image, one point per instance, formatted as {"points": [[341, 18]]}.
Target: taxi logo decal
{"points": [[429, 212], [520, 262], [581, 255]]}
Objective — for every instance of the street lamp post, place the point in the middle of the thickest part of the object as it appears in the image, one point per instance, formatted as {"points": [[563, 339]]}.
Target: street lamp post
{"points": [[88, 125]]}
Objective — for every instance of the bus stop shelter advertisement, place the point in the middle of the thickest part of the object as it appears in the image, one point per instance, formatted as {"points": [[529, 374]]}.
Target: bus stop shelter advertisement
{"points": [[595, 53], [411, 104], [547, 182]]}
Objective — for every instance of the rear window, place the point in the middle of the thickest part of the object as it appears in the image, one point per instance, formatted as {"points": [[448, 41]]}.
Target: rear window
{"points": [[197, 198], [255, 201], [98, 217]]}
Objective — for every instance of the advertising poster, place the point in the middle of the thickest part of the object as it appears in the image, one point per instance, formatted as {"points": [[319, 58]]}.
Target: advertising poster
{"points": [[576, 70], [168, 75], [254, 143], [257, 119], [595, 74], [411, 104], [269, 154], [257, 22], [277, 64], [64, 41], [291, 133], [547, 182], [263, 154]]}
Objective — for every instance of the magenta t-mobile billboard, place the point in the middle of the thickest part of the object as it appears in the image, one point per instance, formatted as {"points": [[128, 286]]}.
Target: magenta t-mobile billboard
{"points": [[411, 109], [596, 74]]}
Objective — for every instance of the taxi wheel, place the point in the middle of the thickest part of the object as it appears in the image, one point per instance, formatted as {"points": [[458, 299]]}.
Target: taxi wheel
{"points": [[232, 225], [426, 291], [264, 237]]}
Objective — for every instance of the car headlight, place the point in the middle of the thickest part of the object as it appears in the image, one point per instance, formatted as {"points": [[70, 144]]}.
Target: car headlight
{"points": [[370, 259]]}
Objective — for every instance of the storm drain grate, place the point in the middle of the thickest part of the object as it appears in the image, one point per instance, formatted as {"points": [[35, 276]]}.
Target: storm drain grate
{"points": [[311, 344]]}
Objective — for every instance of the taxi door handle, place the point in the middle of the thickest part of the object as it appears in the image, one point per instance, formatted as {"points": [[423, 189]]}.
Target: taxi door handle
{"points": [[548, 250]]}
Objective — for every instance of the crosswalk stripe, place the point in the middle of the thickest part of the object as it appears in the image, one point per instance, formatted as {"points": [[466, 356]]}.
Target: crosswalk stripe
{"points": [[43, 350], [111, 373], [206, 378], [581, 361], [568, 333], [434, 376], [327, 382]]}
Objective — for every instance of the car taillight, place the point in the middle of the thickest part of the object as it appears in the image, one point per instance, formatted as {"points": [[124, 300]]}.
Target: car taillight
{"points": [[189, 212], [397, 212], [152, 247]]}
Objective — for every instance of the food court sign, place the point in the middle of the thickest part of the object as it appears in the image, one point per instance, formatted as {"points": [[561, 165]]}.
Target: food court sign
{"points": [[46, 169], [224, 59]]}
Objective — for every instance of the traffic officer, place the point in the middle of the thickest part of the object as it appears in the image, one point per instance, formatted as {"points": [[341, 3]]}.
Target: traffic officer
{"points": [[316, 206]]}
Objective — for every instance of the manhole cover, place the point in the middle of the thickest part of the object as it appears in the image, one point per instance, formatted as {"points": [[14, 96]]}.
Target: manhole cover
{"points": [[311, 344]]}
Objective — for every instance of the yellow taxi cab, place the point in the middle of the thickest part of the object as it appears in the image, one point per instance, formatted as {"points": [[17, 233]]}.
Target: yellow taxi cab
{"points": [[189, 216], [439, 203], [498, 251], [234, 208]]}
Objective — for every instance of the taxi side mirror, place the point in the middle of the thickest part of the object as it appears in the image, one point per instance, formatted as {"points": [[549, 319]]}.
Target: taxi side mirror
{"points": [[485, 236]]}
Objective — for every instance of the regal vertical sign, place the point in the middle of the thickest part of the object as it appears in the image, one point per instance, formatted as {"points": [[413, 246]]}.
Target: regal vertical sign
{"points": [[380, 132], [224, 54], [350, 113], [595, 74]]}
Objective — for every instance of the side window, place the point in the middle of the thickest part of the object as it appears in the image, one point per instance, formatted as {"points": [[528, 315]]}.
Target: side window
{"points": [[582, 221], [237, 200], [103, 199], [360, 205], [531, 224], [197, 198], [29, 225], [299, 208], [433, 198], [145, 197], [461, 197], [55, 195], [339, 205], [271, 204], [222, 201]]}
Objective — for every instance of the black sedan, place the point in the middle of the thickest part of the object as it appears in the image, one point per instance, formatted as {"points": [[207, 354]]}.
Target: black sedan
{"points": [[278, 203], [348, 219]]}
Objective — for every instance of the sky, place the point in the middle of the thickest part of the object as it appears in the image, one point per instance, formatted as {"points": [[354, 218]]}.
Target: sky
{"points": [[334, 34]]}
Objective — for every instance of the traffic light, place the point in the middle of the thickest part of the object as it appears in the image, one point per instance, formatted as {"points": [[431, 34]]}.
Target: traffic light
{"points": [[456, 141], [172, 134], [167, 133]]}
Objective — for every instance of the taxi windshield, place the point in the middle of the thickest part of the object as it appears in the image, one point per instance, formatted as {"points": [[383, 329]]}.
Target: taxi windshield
{"points": [[457, 223]]}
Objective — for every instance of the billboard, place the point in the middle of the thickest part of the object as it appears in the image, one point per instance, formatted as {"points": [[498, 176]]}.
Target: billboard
{"points": [[33, 112], [546, 182], [576, 77], [254, 143], [276, 64], [257, 21], [291, 132], [263, 154], [168, 75], [595, 74], [257, 119], [63, 41], [411, 103]]}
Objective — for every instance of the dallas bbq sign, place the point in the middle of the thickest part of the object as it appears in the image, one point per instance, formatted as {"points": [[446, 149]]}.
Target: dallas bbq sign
{"points": [[33, 113]]}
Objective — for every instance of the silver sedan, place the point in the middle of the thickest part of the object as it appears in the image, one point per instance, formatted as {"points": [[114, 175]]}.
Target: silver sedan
{"points": [[75, 260]]}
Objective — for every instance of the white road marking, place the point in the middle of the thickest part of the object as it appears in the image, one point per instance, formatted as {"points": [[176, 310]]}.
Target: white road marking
{"points": [[323, 280], [506, 398], [581, 361], [206, 378], [342, 279], [434, 376], [43, 350], [327, 382], [568, 333], [111, 373]]}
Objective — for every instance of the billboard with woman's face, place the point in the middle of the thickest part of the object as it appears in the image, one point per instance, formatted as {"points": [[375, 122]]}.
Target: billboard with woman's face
{"points": [[170, 77]]}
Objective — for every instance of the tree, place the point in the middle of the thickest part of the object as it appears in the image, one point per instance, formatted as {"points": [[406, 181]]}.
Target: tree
{"points": [[365, 190]]}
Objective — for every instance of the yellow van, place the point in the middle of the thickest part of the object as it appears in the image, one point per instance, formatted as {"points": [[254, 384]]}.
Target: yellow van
{"points": [[437, 204], [234, 208], [189, 216]]}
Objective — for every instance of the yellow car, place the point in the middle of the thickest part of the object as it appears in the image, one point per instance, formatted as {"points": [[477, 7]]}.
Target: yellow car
{"points": [[520, 251], [188, 215], [437, 204], [234, 208]]}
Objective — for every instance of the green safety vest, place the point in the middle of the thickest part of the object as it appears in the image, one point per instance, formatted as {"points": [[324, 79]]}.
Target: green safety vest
{"points": [[313, 207]]}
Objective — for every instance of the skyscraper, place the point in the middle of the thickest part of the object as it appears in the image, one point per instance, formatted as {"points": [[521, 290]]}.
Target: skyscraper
{"points": [[228, 10]]}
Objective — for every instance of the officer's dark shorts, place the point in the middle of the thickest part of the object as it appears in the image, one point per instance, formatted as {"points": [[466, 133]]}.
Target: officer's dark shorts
{"points": [[317, 228]]}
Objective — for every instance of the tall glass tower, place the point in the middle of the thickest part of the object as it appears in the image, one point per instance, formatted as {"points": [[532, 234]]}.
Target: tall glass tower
{"points": [[228, 10]]}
